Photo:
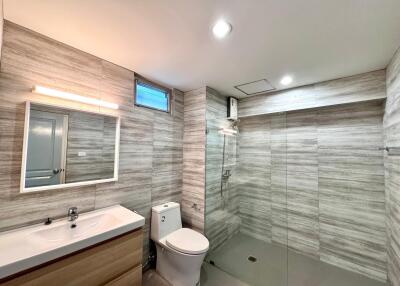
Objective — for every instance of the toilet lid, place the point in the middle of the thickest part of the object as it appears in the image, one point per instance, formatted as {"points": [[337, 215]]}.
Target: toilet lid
{"points": [[188, 241]]}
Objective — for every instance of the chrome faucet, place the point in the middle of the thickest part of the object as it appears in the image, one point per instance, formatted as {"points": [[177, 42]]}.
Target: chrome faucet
{"points": [[73, 215]]}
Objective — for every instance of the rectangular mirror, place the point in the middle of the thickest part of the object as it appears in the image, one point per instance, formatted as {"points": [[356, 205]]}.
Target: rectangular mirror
{"points": [[67, 148]]}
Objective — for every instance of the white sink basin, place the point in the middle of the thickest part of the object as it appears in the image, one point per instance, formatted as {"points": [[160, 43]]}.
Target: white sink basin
{"points": [[31, 246], [84, 227]]}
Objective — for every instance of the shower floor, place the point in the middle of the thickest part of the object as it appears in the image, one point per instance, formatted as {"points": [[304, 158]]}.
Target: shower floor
{"points": [[237, 255]]}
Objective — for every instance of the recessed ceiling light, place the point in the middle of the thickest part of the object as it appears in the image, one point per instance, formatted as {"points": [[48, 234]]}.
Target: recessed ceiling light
{"points": [[221, 29], [286, 80]]}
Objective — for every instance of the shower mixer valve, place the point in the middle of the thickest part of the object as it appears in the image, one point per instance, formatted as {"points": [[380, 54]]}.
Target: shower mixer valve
{"points": [[226, 174]]}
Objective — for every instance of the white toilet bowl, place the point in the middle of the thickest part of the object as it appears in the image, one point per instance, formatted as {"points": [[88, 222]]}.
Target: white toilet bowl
{"points": [[180, 251]]}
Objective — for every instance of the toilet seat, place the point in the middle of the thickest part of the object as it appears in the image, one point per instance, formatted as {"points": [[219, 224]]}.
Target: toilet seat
{"points": [[187, 241]]}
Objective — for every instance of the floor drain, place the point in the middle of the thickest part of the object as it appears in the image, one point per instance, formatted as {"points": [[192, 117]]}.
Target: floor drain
{"points": [[251, 259]]}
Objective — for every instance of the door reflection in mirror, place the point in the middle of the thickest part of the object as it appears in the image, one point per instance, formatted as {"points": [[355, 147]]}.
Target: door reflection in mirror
{"points": [[46, 149]]}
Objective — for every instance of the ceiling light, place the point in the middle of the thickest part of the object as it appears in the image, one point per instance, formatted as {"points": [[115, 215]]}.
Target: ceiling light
{"points": [[221, 29], [75, 97], [286, 80]]}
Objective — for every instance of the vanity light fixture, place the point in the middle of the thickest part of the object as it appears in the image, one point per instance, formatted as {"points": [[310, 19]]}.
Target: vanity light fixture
{"points": [[221, 29], [71, 96], [286, 80]]}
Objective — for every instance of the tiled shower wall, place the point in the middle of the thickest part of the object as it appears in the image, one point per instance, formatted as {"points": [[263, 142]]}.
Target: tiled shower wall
{"points": [[150, 166], [314, 179], [221, 197], [392, 169]]}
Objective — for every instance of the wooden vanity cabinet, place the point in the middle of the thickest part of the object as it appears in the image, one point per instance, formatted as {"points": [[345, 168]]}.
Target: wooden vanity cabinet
{"points": [[115, 262]]}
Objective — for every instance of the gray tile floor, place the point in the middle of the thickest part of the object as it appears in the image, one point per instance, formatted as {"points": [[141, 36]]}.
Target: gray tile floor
{"points": [[275, 266], [212, 276]]}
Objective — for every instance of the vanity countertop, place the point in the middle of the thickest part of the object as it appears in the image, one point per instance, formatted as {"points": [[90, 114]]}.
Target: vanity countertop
{"points": [[27, 247]]}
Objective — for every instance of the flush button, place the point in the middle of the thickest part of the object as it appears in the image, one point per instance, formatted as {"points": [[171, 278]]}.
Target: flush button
{"points": [[162, 218]]}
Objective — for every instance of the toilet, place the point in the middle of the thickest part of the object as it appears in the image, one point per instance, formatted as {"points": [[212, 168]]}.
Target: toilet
{"points": [[180, 251]]}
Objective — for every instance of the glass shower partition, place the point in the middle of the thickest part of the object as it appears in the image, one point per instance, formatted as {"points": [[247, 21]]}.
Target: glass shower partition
{"points": [[246, 199], [289, 200]]}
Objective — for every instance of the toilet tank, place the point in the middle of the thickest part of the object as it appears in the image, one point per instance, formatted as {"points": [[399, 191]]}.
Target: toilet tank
{"points": [[165, 219]]}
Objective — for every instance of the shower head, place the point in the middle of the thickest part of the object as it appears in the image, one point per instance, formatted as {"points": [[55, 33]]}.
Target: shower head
{"points": [[228, 131]]}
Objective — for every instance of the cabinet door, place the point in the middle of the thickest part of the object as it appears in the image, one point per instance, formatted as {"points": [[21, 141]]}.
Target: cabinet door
{"points": [[94, 266]]}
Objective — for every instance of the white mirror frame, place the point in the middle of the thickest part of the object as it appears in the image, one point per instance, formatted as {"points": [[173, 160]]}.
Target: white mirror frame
{"points": [[23, 189]]}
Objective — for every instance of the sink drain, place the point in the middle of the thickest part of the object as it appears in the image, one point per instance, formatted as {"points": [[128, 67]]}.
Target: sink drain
{"points": [[251, 259]]}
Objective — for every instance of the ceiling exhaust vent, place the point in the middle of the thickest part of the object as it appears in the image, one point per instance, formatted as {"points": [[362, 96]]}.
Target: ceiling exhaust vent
{"points": [[255, 87]]}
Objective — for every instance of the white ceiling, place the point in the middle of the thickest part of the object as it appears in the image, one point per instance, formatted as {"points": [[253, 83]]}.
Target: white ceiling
{"points": [[171, 41]]}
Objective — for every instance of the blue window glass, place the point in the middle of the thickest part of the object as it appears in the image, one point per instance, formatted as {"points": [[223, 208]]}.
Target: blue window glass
{"points": [[152, 97]]}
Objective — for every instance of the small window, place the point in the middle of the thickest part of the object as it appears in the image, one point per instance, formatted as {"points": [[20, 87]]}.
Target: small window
{"points": [[152, 96]]}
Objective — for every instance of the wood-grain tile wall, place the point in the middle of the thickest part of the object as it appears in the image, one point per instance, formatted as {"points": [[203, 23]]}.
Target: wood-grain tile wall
{"points": [[1, 26], [194, 144], [150, 169], [94, 135], [254, 171], [351, 188], [302, 181], [392, 169], [358, 88], [279, 179]]}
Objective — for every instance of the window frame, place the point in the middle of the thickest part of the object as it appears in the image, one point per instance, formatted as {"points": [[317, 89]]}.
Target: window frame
{"points": [[143, 81]]}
